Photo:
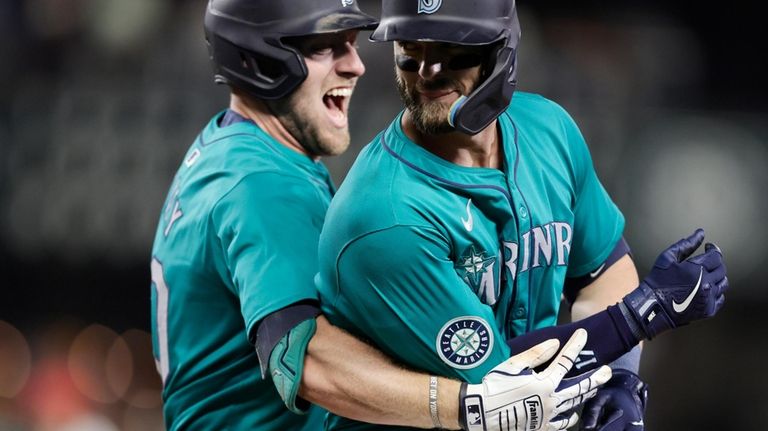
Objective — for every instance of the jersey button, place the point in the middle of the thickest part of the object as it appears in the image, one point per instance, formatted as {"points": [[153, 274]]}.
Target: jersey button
{"points": [[523, 212], [520, 313]]}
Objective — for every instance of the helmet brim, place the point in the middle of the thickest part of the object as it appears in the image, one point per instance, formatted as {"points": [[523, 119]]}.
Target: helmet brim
{"points": [[331, 22], [437, 29]]}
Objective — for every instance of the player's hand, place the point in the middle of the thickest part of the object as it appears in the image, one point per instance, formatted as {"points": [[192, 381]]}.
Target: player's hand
{"points": [[514, 397], [680, 288], [618, 406]]}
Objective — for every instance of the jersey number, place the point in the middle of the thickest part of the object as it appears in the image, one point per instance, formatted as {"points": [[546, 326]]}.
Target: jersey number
{"points": [[161, 317]]}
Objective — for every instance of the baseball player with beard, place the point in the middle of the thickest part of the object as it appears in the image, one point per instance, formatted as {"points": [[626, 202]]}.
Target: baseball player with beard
{"points": [[462, 224]]}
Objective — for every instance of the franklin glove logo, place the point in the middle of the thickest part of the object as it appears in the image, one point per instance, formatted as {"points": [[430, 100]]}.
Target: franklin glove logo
{"points": [[533, 408]]}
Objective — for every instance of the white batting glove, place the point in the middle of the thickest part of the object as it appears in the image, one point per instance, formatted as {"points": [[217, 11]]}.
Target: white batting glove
{"points": [[513, 397]]}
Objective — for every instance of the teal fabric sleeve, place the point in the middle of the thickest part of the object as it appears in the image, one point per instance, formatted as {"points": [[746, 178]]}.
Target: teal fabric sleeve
{"points": [[269, 225], [398, 288]]}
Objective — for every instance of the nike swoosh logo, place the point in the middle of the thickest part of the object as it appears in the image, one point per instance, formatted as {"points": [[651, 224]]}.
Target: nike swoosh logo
{"points": [[470, 222], [637, 423], [594, 274], [679, 308]]}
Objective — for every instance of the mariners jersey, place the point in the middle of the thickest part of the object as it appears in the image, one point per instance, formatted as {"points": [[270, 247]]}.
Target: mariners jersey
{"points": [[237, 240], [437, 264]]}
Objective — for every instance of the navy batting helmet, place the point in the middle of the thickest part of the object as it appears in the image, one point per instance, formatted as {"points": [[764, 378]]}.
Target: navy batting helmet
{"points": [[463, 22], [245, 39]]}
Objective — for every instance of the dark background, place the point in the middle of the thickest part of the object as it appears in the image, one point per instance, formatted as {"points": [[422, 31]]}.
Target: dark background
{"points": [[100, 99]]}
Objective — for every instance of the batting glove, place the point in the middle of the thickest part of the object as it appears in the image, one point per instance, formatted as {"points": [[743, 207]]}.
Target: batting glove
{"points": [[618, 406], [513, 397], [679, 288]]}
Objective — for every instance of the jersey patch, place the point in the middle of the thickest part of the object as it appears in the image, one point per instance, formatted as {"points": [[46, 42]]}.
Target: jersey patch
{"points": [[464, 342], [476, 269]]}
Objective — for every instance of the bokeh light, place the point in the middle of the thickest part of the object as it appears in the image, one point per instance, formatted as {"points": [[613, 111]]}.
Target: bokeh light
{"points": [[87, 363], [145, 387], [141, 419], [15, 360], [118, 367]]}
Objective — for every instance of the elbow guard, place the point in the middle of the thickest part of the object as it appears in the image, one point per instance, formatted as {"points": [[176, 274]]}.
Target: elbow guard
{"points": [[281, 344], [286, 364]]}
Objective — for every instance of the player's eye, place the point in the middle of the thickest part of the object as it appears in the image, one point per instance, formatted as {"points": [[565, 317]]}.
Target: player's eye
{"points": [[407, 46], [406, 63], [321, 50], [465, 60]]}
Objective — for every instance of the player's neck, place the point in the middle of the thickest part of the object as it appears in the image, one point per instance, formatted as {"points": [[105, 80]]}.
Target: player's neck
{"points": [[483, 150], [259, 113]]}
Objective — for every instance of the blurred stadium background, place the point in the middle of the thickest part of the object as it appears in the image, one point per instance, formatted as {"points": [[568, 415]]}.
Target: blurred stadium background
{"points": [[99, 99]]}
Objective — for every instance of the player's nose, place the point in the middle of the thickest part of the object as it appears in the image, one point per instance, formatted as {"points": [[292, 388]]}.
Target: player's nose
{"points": [[349, 62]]}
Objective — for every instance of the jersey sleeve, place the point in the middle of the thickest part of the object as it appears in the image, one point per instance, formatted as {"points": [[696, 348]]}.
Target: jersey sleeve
{"points": [[268, 226], [398, 288], [598, 222]]}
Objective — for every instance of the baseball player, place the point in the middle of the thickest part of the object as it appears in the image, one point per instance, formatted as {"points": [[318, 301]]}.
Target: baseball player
{"points": [[461, 225], [236, 333]]}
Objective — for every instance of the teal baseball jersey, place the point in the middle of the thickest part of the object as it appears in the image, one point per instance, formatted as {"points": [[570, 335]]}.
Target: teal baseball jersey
{"points": [[237, 240], [438, 264]]}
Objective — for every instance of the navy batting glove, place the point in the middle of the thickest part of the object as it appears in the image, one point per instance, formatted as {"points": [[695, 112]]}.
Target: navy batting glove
{"points": [[679, 288], [618, 406]]}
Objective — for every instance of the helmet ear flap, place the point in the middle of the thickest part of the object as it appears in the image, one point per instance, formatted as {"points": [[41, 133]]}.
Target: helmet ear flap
{"points": [[491, 59], [474, 113], [271, 73]]}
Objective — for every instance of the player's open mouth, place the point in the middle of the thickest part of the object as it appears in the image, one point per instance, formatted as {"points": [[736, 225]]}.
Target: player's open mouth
{"points": [[336, 102]]}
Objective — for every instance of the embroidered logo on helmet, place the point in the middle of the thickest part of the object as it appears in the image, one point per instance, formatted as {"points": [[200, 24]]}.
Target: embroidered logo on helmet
{"points": [[345, 3], [464, 342], [429, 6]]}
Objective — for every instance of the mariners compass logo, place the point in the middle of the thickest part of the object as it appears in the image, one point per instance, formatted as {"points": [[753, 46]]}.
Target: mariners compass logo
{"points": [[474, 264], [476, 268], [464, 342]]}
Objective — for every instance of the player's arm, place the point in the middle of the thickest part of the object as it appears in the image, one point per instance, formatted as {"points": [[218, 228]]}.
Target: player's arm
{"points": [[352, 379], [615, 281], [593, 297], [617, 278], [679, 289], [312, 361], [620, 404]]}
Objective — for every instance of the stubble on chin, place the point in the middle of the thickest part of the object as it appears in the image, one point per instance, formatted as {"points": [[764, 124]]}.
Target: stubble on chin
{"points": [[304, 124], [429, 118]]}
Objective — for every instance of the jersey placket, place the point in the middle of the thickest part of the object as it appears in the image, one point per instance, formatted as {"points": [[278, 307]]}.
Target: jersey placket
{"points": [[518, 320]]}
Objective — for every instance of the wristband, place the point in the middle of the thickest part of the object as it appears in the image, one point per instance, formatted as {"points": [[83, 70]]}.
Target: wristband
{"points": [[433, 402]]}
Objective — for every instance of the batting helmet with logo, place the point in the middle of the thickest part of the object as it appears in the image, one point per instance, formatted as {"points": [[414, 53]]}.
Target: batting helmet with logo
{"points": [[464, 22], [246, 39]]}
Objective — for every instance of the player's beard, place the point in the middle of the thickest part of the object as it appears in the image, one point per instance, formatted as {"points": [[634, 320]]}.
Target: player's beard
{"points": [[307, 124], [431, 117]]}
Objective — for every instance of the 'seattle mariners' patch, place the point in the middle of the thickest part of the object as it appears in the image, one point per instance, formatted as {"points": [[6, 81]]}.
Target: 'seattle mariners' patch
{"points": [[464, 342]]}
